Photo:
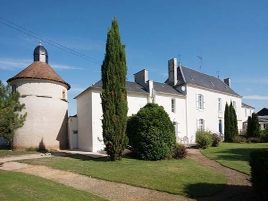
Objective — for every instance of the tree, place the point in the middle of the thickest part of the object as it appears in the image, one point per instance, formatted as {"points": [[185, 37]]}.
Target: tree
{"points": [[227, 123], [11, 115], [114, 94], [233, 122], [255, 126], [249, 129], [151, 133]]}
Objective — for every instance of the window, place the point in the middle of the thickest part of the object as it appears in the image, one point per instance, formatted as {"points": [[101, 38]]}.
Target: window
{"points": [[175, 124], [201, 124], [200, 101], [246, 113], [63, 94], [173, 105], [234, 104], [219, 105], [220, 126]]}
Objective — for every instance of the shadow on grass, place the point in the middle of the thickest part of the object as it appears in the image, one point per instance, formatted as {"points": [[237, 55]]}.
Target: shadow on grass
{"points": [[235, 154], [220, 192]]}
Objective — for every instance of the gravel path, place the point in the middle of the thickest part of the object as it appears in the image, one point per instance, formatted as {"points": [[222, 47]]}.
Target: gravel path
{"points": [[23, 157], [238, 185]]}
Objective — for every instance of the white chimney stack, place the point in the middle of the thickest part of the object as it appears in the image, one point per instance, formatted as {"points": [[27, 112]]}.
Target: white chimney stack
{"points": [[172, 71], [141, 77]]}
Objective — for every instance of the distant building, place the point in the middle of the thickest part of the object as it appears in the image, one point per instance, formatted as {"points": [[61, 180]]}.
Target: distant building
{"points": [[45, 95], [193, 100], [263, 118]]}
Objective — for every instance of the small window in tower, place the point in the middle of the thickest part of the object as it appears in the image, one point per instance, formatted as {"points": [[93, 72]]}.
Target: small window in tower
{"points": [[63, 94]]}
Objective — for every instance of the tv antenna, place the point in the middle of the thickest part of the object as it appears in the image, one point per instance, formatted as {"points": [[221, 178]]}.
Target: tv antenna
{"points": [[200, 62]]}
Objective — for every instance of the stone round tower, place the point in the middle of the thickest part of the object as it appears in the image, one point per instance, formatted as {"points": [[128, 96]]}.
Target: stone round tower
{"points": [[44, 94]]}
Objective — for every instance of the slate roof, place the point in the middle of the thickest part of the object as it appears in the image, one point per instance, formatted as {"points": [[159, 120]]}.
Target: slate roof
{"points": [[247, 106], [39, 70], [165, 88], [210, 82], [263, 112], [131, 86]]}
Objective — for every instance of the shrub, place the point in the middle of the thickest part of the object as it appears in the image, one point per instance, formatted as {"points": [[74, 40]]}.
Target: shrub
{"points": [[240, 139], [151, 133], [264, 135], [216, 139], [259, 172], [180, 151], [254, 140], [203, 139]]}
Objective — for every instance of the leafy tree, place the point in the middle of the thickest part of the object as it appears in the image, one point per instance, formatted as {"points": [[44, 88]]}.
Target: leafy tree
{"points": [[114, 94], [151, 133], [227, 123], [11, 115]]}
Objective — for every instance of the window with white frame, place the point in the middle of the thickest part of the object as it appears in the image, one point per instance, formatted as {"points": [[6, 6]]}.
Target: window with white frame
{"points": [[173, 105], [234, 105], [219, 105], [176, 126], [246, 112], [200, 101], [201, 124]]}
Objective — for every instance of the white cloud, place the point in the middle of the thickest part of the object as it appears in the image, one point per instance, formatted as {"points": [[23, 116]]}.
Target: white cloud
{"points": [[256, 97], [12, 64], [263, 81]]}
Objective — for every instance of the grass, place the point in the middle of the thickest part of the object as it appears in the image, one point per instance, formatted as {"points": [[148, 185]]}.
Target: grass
{"points": [[19, 186], [173, 176], [6, 152], [234, 155]]}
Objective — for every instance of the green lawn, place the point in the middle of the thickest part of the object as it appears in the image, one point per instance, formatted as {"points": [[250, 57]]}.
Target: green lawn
{"points": [[173, 176], [234, 155], [6, 153], [19, 186]]}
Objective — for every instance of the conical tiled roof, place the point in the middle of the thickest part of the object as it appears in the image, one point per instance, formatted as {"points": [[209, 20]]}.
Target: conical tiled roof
{"points": [[39, 70]]}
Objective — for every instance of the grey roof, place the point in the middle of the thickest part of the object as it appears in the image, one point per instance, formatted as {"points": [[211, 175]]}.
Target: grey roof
{"points": [[165, 88], [210, 82], [247, 106], [263, 119], [131, 86]]}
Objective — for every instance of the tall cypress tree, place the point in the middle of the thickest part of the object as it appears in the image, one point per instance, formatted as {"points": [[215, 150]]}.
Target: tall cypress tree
{"points": [[226, 123], [249, 130], [255, 126], [234, 129], [114, 94]]}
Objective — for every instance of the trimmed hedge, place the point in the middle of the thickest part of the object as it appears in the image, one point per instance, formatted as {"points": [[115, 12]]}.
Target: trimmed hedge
{"points": [[151, 133], [259, 172]]}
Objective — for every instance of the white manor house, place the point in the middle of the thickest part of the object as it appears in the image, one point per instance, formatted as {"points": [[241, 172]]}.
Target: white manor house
{"points": [[193, 101]]}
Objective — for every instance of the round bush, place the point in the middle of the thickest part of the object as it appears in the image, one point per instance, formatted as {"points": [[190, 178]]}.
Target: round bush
{"points": [[216, 139], [151, 133], [180, 151], [203, 139]]}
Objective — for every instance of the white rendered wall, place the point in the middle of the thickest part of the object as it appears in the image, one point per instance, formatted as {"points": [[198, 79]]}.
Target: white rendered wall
{"points": [[210, 113], [179, 116], [246, 112], [84, 115], [72, 132], [46, 119]]}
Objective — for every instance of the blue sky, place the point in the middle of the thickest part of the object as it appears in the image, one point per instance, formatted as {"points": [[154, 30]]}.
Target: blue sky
{"points": [[230, 36]]}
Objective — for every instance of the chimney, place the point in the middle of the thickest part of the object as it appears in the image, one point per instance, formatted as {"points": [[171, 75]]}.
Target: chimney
{"points": [[172, 71], [227, 81], [141, 77]]}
